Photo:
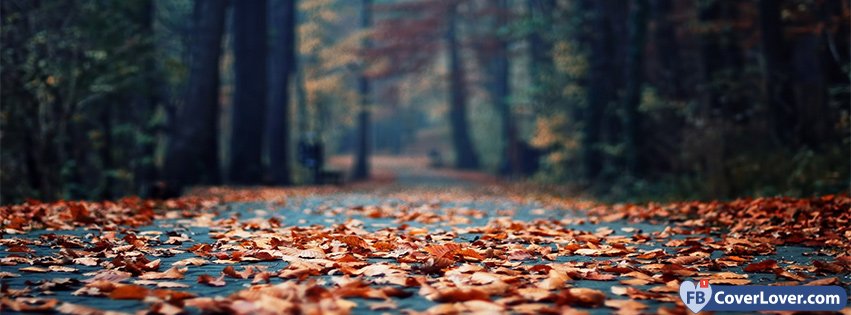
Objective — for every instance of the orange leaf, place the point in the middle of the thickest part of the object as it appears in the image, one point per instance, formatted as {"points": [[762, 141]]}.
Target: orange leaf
{"points": [[763, 266], [461, 295], [129, 292], [210, 281]]}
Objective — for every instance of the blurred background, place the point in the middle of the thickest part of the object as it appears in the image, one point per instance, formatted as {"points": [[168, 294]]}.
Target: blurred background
{"points": [[623, 100]]}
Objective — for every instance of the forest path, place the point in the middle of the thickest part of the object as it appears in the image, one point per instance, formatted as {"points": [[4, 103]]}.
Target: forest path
{"points": [[416, 208]]}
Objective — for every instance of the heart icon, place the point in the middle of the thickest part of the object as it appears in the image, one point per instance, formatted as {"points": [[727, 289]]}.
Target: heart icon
{"points": [[695, 298]]}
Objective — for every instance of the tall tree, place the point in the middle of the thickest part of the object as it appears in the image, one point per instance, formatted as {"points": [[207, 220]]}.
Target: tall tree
{"points": [[634, 80], [193, 149], [776, 89], [721, 62], [282, 64], [249, 98], [144, 170], [599, 87], [672, 79], [492, 50], [361, 165], [465, 154]]}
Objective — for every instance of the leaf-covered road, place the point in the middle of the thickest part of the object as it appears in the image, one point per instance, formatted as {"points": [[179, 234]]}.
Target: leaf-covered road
{"points": [[431, 241]]}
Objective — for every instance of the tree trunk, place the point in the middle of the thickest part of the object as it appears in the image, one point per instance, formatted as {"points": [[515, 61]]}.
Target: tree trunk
{"points": [[193, 150], [776, 88], [465, 154], [599, 88], [250, 86], [672, 79], [500, 92], [810, 91], [361, 165], [282, 63], [144, 170], [719, 62], [634, 80]]}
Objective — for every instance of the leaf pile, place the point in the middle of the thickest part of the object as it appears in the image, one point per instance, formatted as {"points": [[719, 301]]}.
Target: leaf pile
{"points": [[414, 246]]}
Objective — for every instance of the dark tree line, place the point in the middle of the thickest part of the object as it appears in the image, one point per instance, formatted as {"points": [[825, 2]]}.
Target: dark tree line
{"points": [[83, 98], [692, 98], [668, 98]]}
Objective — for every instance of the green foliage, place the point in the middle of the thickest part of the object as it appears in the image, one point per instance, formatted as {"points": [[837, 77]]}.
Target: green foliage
{"points": [[70, 72], [706, 127]]}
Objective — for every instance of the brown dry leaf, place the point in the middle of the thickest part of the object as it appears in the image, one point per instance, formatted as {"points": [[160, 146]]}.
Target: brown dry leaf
{"points": [[447, 250], [555, 280], [678, 270], [481, 307], [28, 304], [353, 241], [534, 308], [626, 306], [231, 272], [684, 260], [580, 297], [596, 276], [171, 285], [534, 294], [77, 309], [460, 295], [260, 277], [469, 254], [636, 282], [788, 275], [376, 270], [128, 292], [825, 281], [767, 265], [210, 281], [165, 309], [109, 275], [34, 269], [86, 261], [359, 289], [618, 290], [312, 253], [195, 261], [171, 273], [62, 269]]}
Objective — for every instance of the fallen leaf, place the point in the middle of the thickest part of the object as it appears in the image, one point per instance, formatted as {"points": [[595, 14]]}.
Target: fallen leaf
{"points": [[171, 273], [128, 292], [210, 281], [824, 281]]}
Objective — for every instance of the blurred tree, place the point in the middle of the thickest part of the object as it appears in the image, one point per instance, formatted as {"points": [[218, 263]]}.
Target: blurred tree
{"points": [[66, 66], [193, 148], [361, 165], [465, 154], [540, 42], [634, 80], [282, 64], [776, 75], [605, 58], [328, 62], [250, 86], [491, 46]]}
